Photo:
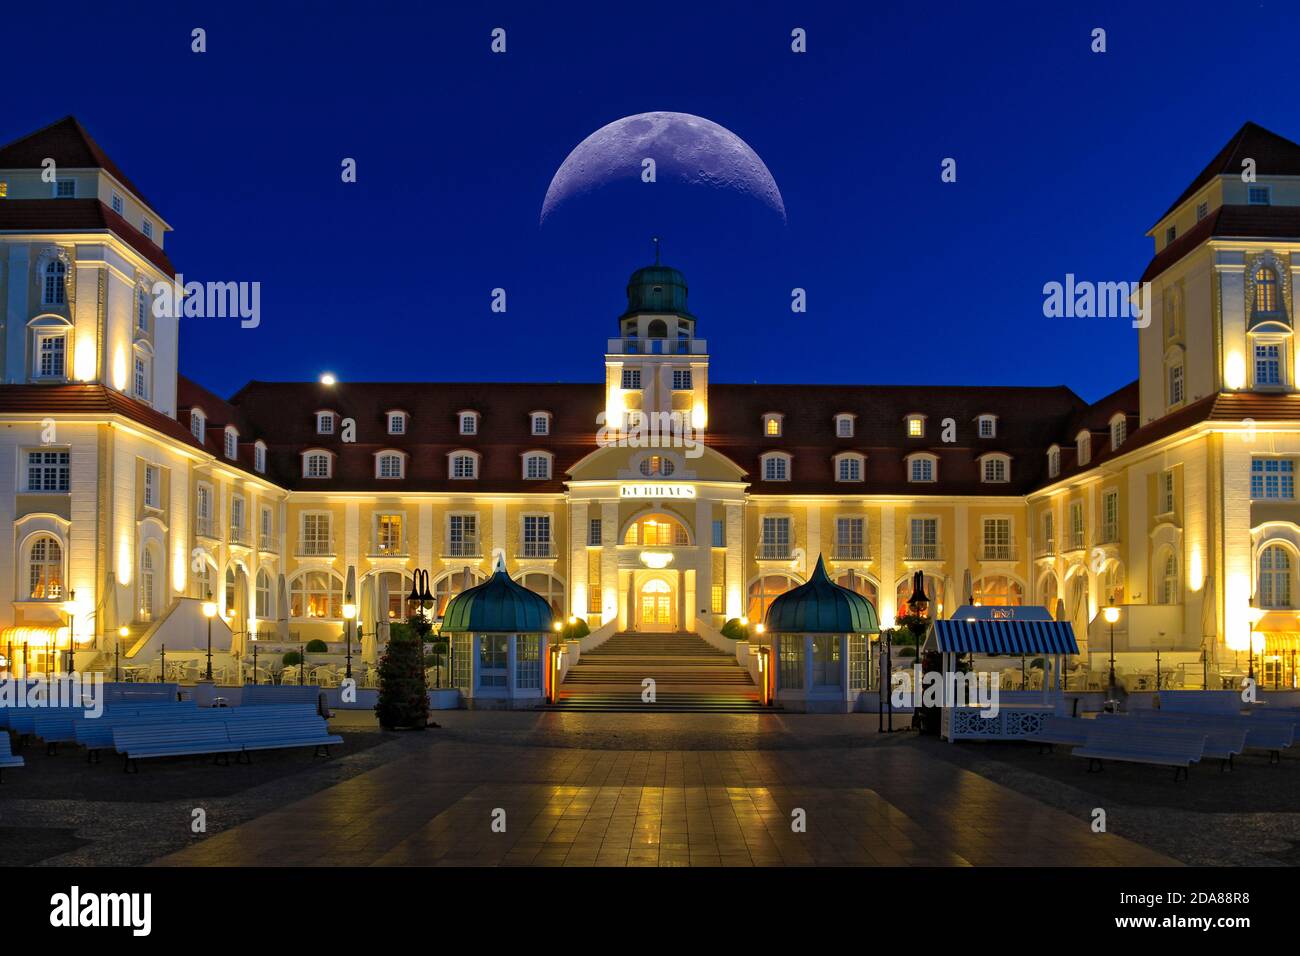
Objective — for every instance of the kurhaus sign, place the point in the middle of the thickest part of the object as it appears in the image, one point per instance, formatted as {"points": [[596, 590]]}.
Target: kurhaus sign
{"points": [[656, 491]]}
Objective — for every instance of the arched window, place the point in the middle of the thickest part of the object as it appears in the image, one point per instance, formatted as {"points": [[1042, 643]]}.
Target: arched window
{"points": [[549, 587], [657, 329], [53, 292], [45, 569], [998, 590], [1275, 577], [451, 584], [317, 594], [766, 590], [1265, 290], [399, 586], [1113, 583], [656, 531], [388, 465], [859, 584], [1167, 585], [1048, 593], [263, 606], [537, 466]]}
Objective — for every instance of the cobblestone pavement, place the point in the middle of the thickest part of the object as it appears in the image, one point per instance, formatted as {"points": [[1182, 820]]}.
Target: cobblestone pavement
{"points": [[672, 790]]}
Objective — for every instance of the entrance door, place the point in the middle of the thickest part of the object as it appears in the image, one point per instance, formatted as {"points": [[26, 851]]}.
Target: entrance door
{"points": [[656, 606]]}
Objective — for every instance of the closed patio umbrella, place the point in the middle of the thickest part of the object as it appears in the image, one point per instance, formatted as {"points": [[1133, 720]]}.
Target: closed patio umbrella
{"points": [[108, 616], [967, 588], [282, 608]]}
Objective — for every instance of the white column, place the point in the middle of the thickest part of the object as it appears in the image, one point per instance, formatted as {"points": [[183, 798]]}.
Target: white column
{"points": [[511, 652], [426, 546], [735, 561], [886, 563], [610, 598], [578, 555], [703, 562]]}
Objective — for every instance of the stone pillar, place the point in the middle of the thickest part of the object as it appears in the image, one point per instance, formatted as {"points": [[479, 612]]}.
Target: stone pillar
{"points": [[886, 563], [578, 556], [610, 599], [735, 561], [703, 562], [1230, 267]]}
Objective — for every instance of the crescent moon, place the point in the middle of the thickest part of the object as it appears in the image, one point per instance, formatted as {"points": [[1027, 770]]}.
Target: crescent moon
{"points": [[688, 148]]}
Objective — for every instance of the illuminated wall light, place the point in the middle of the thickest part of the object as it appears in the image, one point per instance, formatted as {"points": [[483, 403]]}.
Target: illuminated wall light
{"points": [[579, 603], [1236, 606], [178, 569], [124, 562], [699, 416], [656, 559], [83, 366], [1234, 370], [119, 369], [1195, 570]]}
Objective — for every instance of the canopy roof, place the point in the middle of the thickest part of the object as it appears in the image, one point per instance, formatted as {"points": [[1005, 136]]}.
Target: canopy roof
{"points": [[497, 606], [821, 607], [1003, 637]]}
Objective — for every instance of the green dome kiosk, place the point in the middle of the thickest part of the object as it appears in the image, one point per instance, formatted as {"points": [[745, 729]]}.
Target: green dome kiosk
{"points": [[499, 633], [820, 644]]}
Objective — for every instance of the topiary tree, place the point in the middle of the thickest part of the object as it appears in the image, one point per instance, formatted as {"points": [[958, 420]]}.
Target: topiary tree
{"points": [[292, 659], [735, 630], [403, 692], [317, 646], [574, 630]]}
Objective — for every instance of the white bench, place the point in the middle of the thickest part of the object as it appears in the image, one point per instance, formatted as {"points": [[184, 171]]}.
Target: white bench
{"points": [[1223, 740], [276, 732], [190, 738], [1066, 731], [1267, 734], [7, 759], [97, 733], [224, 734], [1132, 742]]}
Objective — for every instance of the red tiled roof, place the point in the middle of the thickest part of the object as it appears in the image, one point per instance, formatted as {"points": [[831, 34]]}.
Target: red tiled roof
{"points": [[1274, 155], [68, 144], [90, 400], [1229, 222], [78, 215]]}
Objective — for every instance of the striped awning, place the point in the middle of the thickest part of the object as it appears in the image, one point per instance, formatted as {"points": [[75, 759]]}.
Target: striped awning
{"points": [[1003, 637]]}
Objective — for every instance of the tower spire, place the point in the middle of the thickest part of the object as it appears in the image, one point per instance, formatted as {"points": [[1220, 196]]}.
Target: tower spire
{"points": [[655, 240]]}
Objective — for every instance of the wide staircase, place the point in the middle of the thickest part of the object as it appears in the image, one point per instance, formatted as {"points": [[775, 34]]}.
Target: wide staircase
{"points": [[690, 675]]}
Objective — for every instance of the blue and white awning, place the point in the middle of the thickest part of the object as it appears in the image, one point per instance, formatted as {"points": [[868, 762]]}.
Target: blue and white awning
{"points": [[1013, 637]]}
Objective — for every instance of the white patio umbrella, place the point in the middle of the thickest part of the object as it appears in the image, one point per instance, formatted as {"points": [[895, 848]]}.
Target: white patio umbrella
{"points": [[282, 607], [108, 616]]}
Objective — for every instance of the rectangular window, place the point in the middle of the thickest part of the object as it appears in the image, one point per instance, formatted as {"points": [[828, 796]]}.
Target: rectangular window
{"points": [[924, 543], [987, 427], [593, 587], [537, 467], [388, 534], [716, 605], [462, 466], [593, 533], [681, 380], [117, 204], [719, 533], [528, 661], [51, 356], [152, 491], [1170, 235], [390, 466], [203, 507], [397, 424], [631, 379], [148, 229], [232, 444], [1110, 517], [995, 469], [48, 471], [541, 425], [493, 650], [997, 539], [850, 469], [316, 537], [1166, 492], [1259, 195], [462, 660], [65, 188], [922, 469], [844, 427], [1049, 534], [1076, 526], [850, 539], [236, 519], [1175, 385], [775, 543], [915, 427], [318, 466], [1272, 478], [537, 536], [1268, 364], [1202, 210], [462, 536], [259, 457], [142, 380], [142, 310], [325, 423], [776, 468], [790, 660], [469, 424]]}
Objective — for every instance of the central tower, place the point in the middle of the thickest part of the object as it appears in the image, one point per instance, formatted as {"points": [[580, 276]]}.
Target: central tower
{"points": [[657, 367]]}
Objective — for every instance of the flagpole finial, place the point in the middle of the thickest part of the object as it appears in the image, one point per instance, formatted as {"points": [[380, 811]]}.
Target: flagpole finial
{"points": [[655, 240]]}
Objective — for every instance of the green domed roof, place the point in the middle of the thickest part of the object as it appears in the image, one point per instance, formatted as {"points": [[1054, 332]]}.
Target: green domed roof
{"points": [[821, 607], [657, 288], [497, 606]]}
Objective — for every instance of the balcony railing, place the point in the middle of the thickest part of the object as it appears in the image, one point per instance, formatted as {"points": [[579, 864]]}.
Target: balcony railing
{"points": [[315, 547], [1046, 550], [638, 346], [1074, 542], [1108, 535], [924, 551], [239, 535], [268, 542], [203, 527], [774, 551], [389, 549], [998, 552], [539, 549], [463, 548], [851, 552]]}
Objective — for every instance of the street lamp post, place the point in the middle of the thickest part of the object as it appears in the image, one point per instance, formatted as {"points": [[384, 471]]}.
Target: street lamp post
{"points": [[349, 615], [69, 606], [209, 611], [122, 632], [1255, 614], [1111, 614]]}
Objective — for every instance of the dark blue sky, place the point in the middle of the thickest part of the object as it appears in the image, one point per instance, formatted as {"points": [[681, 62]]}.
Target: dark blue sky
{"points": [[1065, 159]]}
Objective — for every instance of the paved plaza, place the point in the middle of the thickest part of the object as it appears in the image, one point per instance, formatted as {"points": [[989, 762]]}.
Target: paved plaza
{"points": [[670, 790]]}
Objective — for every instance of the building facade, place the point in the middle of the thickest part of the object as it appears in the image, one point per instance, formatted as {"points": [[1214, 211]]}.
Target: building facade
{"points": [[656, 499]]}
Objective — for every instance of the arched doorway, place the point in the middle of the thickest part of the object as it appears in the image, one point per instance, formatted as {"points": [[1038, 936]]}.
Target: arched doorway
{"points": [[656, 606]]}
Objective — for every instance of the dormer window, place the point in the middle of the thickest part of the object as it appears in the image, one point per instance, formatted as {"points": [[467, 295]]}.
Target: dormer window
{"points": [[1259, 195], [317, 464], [232, 443], [849, 467], [772, 422], [540, 423], [537, 466], [65, 189], [922, 468], [1083, 447], [987, 426], [844, 425], [1118, 431], [1053, 461], [1170, 235], [259, 458], [995, 469], [462, 465], [397, 423], [468, 422], [324, 423], [1202, 210], [776, 466], [198, 425], [390, 464], [915, 426], [147, 229]]}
